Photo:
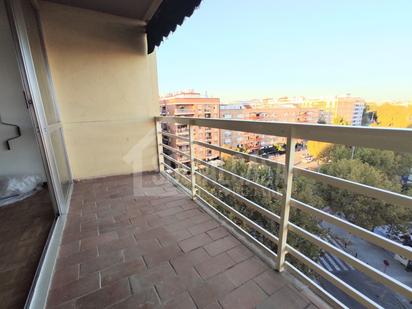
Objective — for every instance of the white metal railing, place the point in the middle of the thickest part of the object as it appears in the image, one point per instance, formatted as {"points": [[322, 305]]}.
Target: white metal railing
{"points": [[399, 140]]}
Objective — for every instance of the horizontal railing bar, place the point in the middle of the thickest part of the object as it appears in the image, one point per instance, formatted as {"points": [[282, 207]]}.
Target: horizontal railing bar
{"points": [[354, 229], [174, 171], [240, 216], [373, 137], [274, 193], [243, 155], [177, 162], [175, 150], [358, 264], [314, 286], [176, 182], [175, 136], [377, 193], [252, 205], [339, 283]]}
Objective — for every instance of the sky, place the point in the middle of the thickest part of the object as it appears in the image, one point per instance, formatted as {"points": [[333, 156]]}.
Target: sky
{"points": [[239, 50]]}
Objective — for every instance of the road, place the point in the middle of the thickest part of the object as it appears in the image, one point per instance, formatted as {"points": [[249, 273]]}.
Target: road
{"points": [[300, 160], [375, 291], [371, 255], [366, 252]]}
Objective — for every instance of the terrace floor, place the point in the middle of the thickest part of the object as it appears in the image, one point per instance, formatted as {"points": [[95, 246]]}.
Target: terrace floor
{"points": [[142, 243]]}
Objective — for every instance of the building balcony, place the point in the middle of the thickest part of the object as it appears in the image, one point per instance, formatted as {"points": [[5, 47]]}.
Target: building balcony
{"points": [[183, 134], [182, 142], [165, 240], [184, 111], [182, 131]]}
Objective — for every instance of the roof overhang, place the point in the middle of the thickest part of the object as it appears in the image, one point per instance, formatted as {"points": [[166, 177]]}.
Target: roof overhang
{"points": [[159, 17], [167, 17], [142, 10]]}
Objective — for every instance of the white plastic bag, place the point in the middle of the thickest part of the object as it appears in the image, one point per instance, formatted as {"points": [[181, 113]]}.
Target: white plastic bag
{"points": [[15, 188]]}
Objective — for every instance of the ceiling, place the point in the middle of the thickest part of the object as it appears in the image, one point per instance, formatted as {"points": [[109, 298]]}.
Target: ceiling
{"points": [[136, 9]]}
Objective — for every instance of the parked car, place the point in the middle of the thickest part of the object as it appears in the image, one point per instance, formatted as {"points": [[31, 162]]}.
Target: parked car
{"points": [[404, 261], [274, 150], [299, 146]]}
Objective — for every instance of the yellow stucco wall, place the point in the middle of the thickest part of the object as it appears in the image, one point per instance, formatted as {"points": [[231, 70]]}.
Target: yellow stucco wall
{"points": [[106, 89]]}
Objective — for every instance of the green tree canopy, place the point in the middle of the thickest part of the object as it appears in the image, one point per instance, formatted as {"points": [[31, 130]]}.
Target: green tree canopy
{"points": [[359, 209]]}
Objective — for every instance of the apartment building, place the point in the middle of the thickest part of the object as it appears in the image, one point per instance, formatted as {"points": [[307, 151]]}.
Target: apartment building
{"points": [[346, 108], [265, 110], [237, 139], [350, 109], [190, 104]]}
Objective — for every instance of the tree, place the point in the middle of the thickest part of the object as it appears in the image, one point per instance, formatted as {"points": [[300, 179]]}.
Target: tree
{"points": [[392, 115], [367, 116], [316, 148], [334, 153], [340, 121], [393, 164], [359, 209], [303, 189]]}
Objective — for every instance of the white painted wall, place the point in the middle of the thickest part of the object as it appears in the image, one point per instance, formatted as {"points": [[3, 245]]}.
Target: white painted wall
{"points": [[24, 158]]}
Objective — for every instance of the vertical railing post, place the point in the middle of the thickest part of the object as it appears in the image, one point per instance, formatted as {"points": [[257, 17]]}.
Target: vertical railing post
{"points": [[284, 215], [192, 160], [159, 141]]}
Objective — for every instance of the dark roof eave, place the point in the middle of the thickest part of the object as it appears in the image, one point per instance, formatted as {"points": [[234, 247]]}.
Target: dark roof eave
{"points": [[168, 16]]}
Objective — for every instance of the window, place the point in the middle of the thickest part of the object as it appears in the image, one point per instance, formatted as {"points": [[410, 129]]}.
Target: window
{"points": [[227, 141], [227, 116]]}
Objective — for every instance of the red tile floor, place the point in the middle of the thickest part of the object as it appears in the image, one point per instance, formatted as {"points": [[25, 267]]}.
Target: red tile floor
{"points": [[144, 244], [24, 228]]}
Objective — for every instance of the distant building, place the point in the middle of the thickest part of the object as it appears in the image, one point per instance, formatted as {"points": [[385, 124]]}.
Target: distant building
{"points": [[265, 110], [237, 139], [346, 108], [350, 109], [190, 104]]}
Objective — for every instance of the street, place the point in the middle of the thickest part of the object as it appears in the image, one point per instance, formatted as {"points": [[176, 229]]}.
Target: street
{"points": [[375, 291], [371, 255]]}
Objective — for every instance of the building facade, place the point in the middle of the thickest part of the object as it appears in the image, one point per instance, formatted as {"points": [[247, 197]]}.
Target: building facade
{"points": [[339, 110], [350, 109], [263, 111], [191, 104]]}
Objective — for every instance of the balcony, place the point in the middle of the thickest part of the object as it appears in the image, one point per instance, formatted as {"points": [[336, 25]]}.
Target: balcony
{"points": [[184, 111], [182, 130], [183, 237], [165, 239]]}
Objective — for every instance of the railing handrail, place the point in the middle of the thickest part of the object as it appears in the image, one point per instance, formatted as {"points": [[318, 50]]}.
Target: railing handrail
{"points": [[373, 137]]}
